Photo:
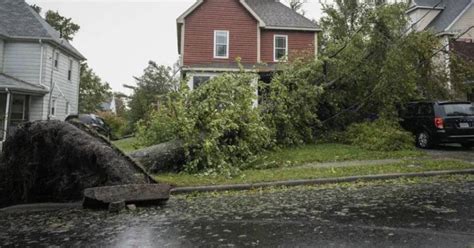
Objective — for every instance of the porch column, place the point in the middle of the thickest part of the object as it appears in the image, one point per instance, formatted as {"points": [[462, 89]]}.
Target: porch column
{"points": [[7, 116]]}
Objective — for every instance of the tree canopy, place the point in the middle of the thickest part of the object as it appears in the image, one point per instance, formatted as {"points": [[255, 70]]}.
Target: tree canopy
{"points": [[156, 81], [92, 91]]}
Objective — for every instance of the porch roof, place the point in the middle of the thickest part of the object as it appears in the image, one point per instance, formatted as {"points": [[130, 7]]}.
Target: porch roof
{"points": [[17, 85]]}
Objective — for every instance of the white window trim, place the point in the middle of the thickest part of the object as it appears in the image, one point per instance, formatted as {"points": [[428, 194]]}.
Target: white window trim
{"points": [[274, 47], [68, 108], [215, 44]]}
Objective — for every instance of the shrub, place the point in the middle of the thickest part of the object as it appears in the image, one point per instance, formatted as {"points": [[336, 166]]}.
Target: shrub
{"points": [[290, 103], [380, 135], [161, 126], [116, 123]]}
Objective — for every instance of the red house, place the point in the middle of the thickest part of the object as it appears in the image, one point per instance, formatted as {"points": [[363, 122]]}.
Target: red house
{"points": [[212, 34]]}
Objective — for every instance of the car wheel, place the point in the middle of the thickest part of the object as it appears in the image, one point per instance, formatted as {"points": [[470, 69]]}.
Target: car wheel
{"points": [[423, 140], [467, 145]]}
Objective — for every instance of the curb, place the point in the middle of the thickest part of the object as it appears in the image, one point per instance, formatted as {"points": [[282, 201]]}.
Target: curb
{"points": [[38, 207], [292, 183]]}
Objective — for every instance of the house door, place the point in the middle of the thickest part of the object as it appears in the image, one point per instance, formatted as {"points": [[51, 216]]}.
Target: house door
{"points": [[18, 111]]}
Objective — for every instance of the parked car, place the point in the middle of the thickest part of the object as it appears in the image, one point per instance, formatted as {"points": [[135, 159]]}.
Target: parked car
{"points": [[435, 122], [93, 121]]}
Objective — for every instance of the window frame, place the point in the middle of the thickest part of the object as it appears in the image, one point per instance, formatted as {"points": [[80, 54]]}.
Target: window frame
{"points": [[275, 59], [68, 110], [56, 61], [69, 71], [216, 56], [53, 107]]}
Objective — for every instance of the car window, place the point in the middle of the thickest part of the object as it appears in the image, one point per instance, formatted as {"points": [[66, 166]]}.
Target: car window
{"points": [[459, 109], [425, 109]]}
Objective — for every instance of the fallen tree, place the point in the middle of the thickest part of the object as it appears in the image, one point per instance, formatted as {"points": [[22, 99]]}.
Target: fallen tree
{"points": [[165, 157], [56, 161]]}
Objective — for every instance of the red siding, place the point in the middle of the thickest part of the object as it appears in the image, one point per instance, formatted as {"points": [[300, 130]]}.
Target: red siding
{"points": [[220, 15], [298, 42]]}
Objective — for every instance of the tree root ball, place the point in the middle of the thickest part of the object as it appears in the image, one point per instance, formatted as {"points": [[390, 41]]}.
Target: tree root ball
{"points": [[53, 161]]}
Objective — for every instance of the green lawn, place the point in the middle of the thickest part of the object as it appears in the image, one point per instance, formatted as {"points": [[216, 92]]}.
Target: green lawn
{"points": [[127, 145], [289, 173], [328, 152]]}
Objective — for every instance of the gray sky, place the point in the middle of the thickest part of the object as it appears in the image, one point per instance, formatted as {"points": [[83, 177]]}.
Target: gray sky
{"points": [[118, 38]]}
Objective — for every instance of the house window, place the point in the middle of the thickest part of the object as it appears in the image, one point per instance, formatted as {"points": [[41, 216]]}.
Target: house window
{"points": [[56, 61], [221, 44], [67, 108], [53, 107], [199, 80], [69, 71], [281, 47]]}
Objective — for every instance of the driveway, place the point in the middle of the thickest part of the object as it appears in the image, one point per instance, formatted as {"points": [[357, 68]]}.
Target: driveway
{"points": [[431, 212]]}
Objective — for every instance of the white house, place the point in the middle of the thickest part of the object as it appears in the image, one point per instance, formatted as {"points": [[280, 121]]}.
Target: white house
{"points": [[39, 71], [452, 21]]}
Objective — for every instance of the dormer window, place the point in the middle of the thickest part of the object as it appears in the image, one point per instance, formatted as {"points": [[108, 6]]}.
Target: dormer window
{"points": [[221, 44], [280, 45]]}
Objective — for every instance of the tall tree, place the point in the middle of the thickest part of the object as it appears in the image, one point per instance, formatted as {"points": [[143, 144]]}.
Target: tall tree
{"points": [[36, 8], [92, 91], [65, 26], [156, 81], [297, 5], [373, 65]]}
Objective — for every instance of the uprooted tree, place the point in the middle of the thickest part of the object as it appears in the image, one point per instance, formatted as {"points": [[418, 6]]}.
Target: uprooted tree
{"points": [[55, 161]]}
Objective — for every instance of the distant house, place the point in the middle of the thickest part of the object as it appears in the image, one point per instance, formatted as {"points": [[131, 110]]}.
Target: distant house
{"points": [[109, 106], [452, 21], [212, 34], [39, 71]]}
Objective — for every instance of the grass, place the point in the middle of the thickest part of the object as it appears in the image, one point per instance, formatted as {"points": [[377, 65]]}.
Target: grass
{"points": [[328, 152], [282, 174], [127, 145]]}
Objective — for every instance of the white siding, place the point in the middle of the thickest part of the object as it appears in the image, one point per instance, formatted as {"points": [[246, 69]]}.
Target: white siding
{"points": [[464, 22], [22, 60], [1, 55], [423, 17], [64, 90], [36, 108]]}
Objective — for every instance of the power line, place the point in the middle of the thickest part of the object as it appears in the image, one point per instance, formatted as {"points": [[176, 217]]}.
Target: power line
{"points": [[332, 82], [374, 90], [364, 24]]}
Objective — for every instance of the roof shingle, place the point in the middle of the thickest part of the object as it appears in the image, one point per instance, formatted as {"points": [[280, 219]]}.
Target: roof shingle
{"points": [[12, 83], [451, 9], [18, 20], [276, 14]]}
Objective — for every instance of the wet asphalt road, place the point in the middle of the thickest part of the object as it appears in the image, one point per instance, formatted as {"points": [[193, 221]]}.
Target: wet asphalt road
{"points": [[426, 213]]}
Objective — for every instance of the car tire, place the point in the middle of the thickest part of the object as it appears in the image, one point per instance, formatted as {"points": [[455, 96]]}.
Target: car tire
{"points": [[467, 146], [424, 140]]}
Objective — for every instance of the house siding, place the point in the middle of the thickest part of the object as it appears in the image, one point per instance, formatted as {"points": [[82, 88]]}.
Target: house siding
{"points": [[64, 90], [22, 60], [36, 108], [219, 15], [464, 22], [423, 16], [298, 42]]}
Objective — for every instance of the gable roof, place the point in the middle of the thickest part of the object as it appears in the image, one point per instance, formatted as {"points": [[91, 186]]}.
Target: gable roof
{"points": [[15, 84], [19, 21], [277, 15], [271, 14], [451, 10]]}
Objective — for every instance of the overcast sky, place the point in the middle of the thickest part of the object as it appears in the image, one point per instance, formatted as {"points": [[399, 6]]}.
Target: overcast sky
{"points": [[118, 38]]}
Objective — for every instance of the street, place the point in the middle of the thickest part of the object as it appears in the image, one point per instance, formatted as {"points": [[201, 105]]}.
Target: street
{"points": [[426, 212]]}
